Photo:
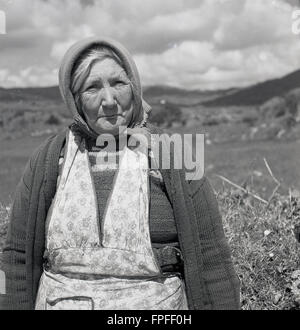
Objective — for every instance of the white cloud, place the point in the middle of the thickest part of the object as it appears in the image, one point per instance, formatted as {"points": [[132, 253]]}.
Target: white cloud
{"points": [[200, 65], [3, 74], [256, 24], [60, 47], [188, 43]]}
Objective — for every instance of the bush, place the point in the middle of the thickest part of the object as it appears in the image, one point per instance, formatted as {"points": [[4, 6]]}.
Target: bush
{"points": [[249, 120], [53, 119], [166, 115]]}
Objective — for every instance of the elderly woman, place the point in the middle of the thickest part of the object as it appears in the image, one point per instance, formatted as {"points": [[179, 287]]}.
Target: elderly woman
{"points": [[89, 233]]}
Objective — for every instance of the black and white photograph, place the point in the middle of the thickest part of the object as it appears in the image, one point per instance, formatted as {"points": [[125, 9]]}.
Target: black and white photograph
{"points": [[150, 157]]}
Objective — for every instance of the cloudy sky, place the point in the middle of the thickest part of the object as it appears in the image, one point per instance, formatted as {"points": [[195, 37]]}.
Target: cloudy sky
{"points": [[194, 44]]}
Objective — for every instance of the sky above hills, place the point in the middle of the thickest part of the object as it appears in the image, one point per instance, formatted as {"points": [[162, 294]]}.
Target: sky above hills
{"points": [[193, 44]]}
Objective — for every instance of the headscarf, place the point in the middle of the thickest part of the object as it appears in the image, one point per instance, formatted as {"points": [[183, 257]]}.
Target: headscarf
{"points": [[140, 107]]}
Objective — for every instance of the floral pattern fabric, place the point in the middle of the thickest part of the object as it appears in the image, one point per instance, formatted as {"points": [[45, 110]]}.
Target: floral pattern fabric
{"points": [[115, 258], [60, 292]]}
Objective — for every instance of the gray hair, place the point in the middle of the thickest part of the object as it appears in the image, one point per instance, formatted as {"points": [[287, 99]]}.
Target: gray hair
{"points": [[82, 67]]}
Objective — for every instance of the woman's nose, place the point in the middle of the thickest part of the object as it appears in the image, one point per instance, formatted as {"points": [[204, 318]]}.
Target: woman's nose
{"points": [[108, 98]]}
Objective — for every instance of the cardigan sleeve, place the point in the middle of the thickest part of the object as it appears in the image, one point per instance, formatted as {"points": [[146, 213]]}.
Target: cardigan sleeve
{"points": [[220, 278], [14, 252]]}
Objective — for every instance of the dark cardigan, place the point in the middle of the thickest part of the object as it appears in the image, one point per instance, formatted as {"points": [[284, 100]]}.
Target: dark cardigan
{"points": [[210, 279]]}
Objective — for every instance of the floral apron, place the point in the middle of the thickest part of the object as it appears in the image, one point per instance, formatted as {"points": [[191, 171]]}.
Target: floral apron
{"points": [[111, 266]]}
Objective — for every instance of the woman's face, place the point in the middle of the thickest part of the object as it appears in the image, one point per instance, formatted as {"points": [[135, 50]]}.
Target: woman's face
{"points": [[106, 97]]}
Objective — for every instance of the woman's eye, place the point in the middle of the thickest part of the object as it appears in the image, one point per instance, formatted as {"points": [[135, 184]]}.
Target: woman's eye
{"points": [[119, 83], [91, 88]]}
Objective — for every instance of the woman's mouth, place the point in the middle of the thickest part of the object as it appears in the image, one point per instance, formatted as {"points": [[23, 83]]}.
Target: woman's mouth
{"points": [[109, 116]]}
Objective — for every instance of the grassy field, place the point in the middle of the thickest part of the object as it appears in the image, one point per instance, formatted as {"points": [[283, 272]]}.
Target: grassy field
{"points": [[13, 157], [236, 160], [264, 248]]}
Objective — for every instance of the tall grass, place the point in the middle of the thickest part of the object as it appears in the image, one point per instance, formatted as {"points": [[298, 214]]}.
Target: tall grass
{"points": [[264, 249]]}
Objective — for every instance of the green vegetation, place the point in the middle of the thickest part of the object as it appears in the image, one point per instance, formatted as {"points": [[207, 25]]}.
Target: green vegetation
{"points": [[264, 248], [166, 115]]}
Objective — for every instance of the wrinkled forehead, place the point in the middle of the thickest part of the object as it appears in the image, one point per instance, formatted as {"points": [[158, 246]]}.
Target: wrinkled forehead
{"points": [[106, 68], [97, 60]]}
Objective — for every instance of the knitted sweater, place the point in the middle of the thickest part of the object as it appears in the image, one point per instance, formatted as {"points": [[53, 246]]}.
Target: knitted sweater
{"points": [[161, 217], [210, 279]]}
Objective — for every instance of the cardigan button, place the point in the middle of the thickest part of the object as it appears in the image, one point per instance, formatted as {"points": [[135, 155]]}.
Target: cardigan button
{"points": [[178, 254], [179, 260]]}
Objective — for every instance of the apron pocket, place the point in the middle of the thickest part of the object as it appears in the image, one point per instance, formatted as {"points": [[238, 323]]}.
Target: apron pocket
{"points": [[70, 303]]}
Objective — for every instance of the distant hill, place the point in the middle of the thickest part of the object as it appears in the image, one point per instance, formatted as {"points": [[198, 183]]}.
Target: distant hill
{"points": [[249, 96], [183, 97], [30, 94], [259, 93], [149, 92], [159, 90]]}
